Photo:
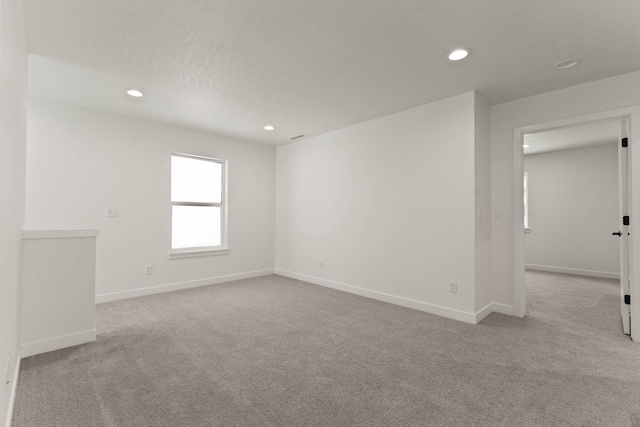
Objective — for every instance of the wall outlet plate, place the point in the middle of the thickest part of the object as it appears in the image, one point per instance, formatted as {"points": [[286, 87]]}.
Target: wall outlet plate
{"points": [[111, 212], [453, 287]]}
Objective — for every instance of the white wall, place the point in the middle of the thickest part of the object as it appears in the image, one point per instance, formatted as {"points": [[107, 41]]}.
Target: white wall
{"points": [[620, 92], [57, 292], [573, 209], [13, 117], [81, 161], [388, 205], [483, 290]]}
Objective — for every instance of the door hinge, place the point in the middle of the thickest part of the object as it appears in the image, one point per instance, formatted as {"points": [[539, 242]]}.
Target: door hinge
{"points": [[625, 142], [627, 299], [625, 220]]}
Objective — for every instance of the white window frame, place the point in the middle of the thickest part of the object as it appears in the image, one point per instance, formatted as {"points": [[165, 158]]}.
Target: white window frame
{"points": [[223, 248], [526, 202]]}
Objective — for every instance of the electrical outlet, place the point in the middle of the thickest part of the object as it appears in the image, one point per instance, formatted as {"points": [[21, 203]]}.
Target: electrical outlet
{"points": [[321, 263], [453, 287], [148, 269], [111, 212]]}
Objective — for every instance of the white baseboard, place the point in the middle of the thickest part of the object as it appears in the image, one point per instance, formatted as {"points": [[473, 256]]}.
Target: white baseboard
{"points": [[504, 309], [115, 296], [484, 312], [56, 343], [14, 391], [579, 272], [380, 296]]}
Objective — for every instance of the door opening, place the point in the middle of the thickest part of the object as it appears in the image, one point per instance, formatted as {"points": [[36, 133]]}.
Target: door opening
{"points": [[583, 260]]}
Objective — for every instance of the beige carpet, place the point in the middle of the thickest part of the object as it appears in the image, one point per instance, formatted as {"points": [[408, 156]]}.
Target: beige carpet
{"points": [[274, 351]]}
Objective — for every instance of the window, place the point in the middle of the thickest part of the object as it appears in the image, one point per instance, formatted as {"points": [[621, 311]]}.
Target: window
{"points": [[526, 201], [198, 206]]}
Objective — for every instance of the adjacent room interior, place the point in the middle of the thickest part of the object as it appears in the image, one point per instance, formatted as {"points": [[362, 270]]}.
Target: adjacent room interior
{"points": [[357, 254], [572, 202]]}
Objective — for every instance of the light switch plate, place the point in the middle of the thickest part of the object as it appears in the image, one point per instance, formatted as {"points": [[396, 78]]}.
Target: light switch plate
{"points": [[111, 212]]}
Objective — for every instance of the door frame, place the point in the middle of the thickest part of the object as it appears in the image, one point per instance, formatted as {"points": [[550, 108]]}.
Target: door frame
{"points": [[627, 114]]}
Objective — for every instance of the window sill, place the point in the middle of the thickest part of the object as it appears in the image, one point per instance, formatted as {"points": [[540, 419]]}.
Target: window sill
{"points": [[190, 253], [527, 230]]}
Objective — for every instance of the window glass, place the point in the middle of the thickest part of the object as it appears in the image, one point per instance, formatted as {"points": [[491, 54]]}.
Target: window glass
{"points": [[195, 180], [198, 203], [526, 200], [195, 226]]}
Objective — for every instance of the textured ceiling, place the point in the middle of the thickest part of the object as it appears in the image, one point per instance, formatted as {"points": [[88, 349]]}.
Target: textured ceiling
{"points": [[599, 133], [309, 66]]}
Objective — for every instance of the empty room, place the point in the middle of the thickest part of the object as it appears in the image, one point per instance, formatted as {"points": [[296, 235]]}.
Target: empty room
{"points": [[305, 213]]}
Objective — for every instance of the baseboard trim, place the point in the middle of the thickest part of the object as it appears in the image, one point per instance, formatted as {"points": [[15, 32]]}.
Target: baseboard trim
{"points": [[504, 309], [14, 391], [576, 271], [115, 296], [56, 343], [484, 312], [380, 296]]}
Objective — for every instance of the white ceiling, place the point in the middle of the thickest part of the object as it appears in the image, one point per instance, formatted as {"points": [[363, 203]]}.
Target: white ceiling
{"points": [[605, 132], [309, 66]]}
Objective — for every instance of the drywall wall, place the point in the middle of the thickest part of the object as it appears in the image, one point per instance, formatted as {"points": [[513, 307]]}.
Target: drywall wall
{"points": [[616, 93], [13, 125], [81, 161], [386, 208], [573, 209], [483, 290], [58, 293]]}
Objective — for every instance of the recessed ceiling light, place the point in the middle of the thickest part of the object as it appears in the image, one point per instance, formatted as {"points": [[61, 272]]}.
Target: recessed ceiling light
{"points": [[268, 127], [134, 92], [563, 65], [526, 146], [459, 54]]}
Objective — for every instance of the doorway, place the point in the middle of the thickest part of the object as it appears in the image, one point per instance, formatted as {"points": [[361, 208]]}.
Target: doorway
{"points": [[625, 248], [572, 204]]}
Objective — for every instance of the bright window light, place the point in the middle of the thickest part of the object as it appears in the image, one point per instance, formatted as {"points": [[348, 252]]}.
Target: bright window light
{"points": [[526, 200], [195, 226], [195, 180], [198, 202]]}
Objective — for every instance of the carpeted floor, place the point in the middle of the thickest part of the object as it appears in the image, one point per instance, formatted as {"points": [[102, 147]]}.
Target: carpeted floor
{"points": [[274, 351]]}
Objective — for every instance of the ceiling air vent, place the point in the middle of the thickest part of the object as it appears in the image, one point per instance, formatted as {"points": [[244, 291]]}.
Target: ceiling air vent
{"points": [[293, 138]]}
